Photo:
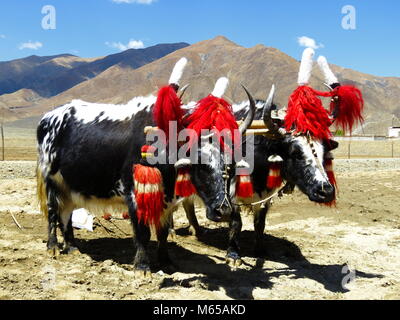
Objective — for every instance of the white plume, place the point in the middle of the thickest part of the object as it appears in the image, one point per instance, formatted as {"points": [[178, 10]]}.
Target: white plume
{"points": [[330, 77], [306, 67], [220, 87], [178, 71]]}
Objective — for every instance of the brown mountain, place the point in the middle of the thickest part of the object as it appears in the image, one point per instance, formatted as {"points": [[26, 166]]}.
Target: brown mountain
{"points": [[258, 68]]}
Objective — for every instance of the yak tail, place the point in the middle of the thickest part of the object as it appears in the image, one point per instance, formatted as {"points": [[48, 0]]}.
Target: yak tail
{"points": [[41, 192]]}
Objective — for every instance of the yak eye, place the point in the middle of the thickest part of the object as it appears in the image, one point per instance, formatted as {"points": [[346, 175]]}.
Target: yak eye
{"points": [[296, 154]]}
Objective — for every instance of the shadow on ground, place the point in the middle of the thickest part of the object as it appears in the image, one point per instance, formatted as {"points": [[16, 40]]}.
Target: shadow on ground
{"points": [[213, 274]]}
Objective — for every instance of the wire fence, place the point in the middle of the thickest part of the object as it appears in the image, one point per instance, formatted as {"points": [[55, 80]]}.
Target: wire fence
{"points": [[386, 148], [20, 144]]}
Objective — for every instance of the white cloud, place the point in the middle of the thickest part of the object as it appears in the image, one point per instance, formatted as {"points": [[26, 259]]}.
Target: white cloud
{"points": [[2, 36], [132, 44], [30, 45], [135, 1], [309, 43]]}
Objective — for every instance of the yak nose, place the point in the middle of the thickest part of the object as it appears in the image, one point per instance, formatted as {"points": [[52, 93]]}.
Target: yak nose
{"points": [[325, 192], [221, 214]]}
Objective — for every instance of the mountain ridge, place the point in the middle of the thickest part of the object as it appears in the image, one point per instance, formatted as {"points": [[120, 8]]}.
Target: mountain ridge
{"points": [[257, 68]]}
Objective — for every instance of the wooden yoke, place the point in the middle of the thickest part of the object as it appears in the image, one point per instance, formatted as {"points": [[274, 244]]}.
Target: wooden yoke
{"points": [[257, 128]]}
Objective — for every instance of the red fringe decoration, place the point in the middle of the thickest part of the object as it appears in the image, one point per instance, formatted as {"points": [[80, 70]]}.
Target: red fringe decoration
{"points": [[168, 108], [244, 187], [213, 113], [306, 113], [149, 195], [328, 164], [107, 216], [184, 186], [351, 107], [274, 178]]}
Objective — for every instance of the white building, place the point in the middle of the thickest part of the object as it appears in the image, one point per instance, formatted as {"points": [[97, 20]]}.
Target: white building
{"points": [[394, 132]]}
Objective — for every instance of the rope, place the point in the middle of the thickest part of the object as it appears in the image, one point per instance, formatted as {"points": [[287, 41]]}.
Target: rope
{"points": [[277, 193]]}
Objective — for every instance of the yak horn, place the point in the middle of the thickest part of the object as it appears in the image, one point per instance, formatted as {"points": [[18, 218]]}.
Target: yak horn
{"points": [[250, 116], [183, 91], [267, 117], [328, 86]]}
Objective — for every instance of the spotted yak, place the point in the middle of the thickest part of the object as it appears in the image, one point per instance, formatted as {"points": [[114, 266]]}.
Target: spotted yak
{"points": [[87, 153], [302, 165]]}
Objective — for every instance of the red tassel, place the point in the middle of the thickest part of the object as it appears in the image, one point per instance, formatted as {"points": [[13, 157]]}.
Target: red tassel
{"points": [[274, 177], [168, 108], [126, 216], [244, 187], [328, 164], [306, 113], [350, 107], [107, 216], [149, 195], [213, 113], [184, 186], [329, 171]]}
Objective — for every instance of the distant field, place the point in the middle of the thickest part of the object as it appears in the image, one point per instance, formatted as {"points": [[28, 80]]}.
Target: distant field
{"points": [[20, 144], [369, 149]]}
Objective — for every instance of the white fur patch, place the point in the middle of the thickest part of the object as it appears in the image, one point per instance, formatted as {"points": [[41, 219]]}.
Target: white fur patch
{"points": [[89, 112], [309, 157]]}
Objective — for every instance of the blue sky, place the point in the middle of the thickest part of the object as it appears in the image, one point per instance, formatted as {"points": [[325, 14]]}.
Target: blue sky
{"points": [[91, 28]]}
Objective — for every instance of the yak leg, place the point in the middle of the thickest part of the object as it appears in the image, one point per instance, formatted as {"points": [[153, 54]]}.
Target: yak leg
{"points": [[171, 226], [163, 256], [141, 239], [190, 211], [53, 216], [235, 227], [259, 227], [68, 231]]}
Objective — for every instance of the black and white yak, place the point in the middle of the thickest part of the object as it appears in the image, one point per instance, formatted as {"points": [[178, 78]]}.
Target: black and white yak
{"points": [[305, 161], [87, 153]]}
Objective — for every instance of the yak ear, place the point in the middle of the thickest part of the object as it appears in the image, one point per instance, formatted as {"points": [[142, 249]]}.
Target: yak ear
{"points": [[330, 145]]}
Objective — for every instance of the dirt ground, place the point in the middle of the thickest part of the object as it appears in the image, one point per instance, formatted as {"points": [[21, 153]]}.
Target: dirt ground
{"points": [[312, 250]]}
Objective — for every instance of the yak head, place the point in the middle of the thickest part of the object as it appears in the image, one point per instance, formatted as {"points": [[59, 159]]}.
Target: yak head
{"points": [[213, 173], [303, 156]]}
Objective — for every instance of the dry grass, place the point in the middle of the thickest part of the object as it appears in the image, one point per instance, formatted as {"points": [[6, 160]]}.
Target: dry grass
{"points": [[20, 144]]}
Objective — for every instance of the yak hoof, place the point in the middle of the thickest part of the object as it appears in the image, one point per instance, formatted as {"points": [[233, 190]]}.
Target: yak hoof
{"points": [[234, 260], [53, 252], [172, 233], [71, 251], [197, 232], [143, 272]]}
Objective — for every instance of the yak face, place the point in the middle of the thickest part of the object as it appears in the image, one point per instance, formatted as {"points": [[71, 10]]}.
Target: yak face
{"points": [[210, 181], [303, 166]]}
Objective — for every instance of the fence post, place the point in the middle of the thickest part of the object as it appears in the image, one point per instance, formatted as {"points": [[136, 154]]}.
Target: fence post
{"points": [[392, 149], [349, 150], [2, 141]]}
